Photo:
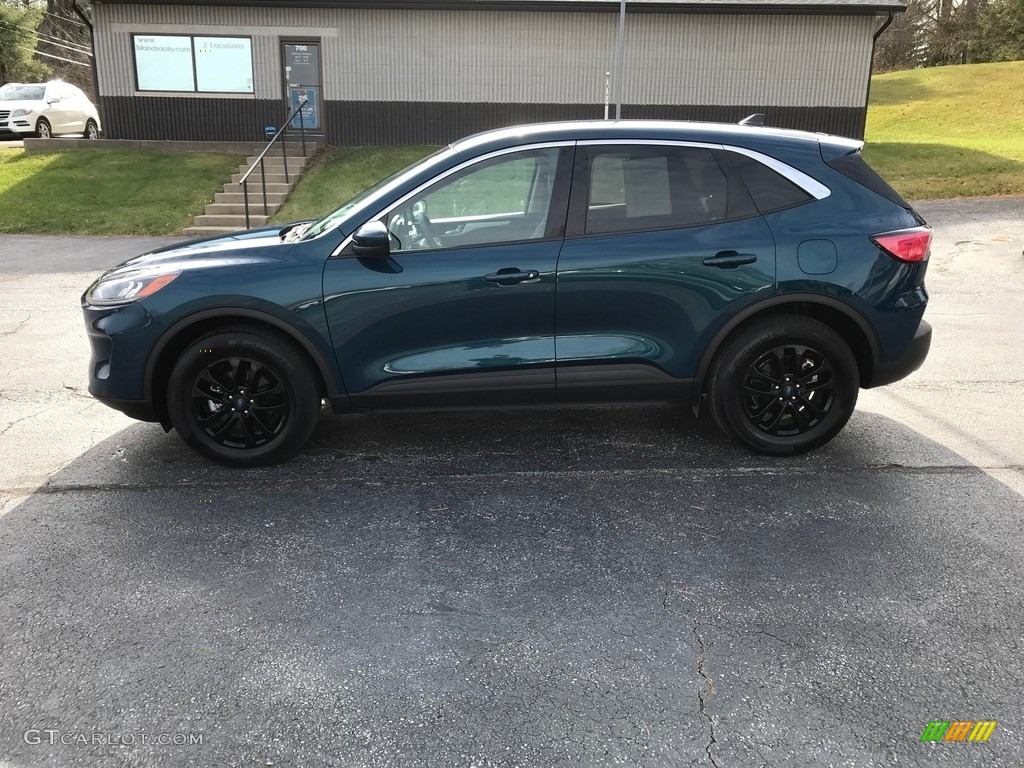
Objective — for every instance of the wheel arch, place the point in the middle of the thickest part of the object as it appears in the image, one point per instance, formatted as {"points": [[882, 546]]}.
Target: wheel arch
{"points": [[174, 340], [844, 319]]}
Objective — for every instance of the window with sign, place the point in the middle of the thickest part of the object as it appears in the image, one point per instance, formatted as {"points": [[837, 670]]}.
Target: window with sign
{"points": [[193, 63]]}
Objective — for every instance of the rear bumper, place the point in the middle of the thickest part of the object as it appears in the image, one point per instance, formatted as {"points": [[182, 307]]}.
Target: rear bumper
{"points": [[893, 370]]}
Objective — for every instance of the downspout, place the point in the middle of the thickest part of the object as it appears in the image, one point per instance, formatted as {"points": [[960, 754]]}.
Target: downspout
{"points": [[95, 64], [871, 69]]}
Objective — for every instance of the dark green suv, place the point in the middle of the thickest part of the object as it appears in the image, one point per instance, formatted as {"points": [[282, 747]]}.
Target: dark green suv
{"points": [[770, 272]]}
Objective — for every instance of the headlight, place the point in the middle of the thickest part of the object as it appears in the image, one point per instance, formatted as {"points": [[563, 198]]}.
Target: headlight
{"points": [[21, 112], [121, 290]]}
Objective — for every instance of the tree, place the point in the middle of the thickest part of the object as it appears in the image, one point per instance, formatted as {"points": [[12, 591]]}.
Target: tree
{"points": [[19, 23], [902, 45], [1001, 31], [65, 43]]}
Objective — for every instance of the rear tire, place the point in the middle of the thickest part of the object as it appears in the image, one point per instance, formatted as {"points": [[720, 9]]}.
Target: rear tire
{"points": [[92, 131], [43, 130], [783, 385], [244, 397]]}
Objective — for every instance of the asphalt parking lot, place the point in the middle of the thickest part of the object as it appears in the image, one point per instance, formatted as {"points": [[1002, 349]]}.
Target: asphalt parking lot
{"points": [[583, 587]]}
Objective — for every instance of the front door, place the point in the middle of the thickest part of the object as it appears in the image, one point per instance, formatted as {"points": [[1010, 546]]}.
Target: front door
{"points": [[663, 246], [303, 83], [60, 112], [463, 310]]}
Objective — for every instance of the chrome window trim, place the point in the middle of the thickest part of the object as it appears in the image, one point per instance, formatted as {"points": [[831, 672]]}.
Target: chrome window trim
{"points": [[649, 142], [440, 177], [808, 184]]}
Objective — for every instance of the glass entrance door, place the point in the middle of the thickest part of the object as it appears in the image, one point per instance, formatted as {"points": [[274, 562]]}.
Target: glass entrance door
{"points": [[302, 81]]}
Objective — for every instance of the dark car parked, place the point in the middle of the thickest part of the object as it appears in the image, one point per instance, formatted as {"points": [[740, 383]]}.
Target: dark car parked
{"points": [[770, 272]]}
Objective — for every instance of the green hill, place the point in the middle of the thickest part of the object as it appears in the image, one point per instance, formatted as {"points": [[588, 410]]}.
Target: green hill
{"points": [[949, 131]]}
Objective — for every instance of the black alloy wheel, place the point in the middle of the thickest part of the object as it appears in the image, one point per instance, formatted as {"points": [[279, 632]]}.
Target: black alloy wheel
{"points": [[240, 403], [783, 385], [789, 390], [244, 397]]}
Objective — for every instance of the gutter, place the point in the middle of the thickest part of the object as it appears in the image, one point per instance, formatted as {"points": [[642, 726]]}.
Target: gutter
{"points": [[871, 68], [878, 34]]}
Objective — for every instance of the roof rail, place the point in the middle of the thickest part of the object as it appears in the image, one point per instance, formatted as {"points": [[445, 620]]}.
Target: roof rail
{"points": [[755, 119]]}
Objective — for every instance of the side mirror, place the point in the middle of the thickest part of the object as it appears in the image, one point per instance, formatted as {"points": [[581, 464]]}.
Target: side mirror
{"points": [[53, 100], [372, 240]]}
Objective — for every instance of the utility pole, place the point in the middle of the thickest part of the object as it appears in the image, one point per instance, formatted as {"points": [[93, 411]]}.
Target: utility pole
{"points": [[620, 65]]}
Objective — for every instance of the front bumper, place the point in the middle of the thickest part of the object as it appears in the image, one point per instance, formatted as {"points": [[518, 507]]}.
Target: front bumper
{"points": [[135, 409], [893, 370], [18, 127], [120, 339]]}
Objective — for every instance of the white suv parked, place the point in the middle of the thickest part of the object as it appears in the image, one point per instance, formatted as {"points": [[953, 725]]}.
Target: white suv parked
{"points": [[46, 109]]}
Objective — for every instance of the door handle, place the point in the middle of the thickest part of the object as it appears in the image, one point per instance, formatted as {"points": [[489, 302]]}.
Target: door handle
{"points": [[729, 260], [511, 276]]}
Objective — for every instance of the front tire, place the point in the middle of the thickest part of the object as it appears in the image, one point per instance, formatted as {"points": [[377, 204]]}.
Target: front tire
{"points": [[43, 130], [243, 397], [784, 385]]}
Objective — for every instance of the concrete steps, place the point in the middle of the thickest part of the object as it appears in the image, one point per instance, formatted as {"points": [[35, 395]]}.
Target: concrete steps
{"points": [[238, 197], [256, 179], [258, 190], [225, 209], [276, 161], [227, 213]]}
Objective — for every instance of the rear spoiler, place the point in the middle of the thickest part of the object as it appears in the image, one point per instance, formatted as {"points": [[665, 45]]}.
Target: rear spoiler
{"points": [[833, 147]]}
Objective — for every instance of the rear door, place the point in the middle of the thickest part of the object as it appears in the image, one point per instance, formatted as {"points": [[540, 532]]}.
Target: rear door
{"points": [[663, 246], [78, 113]]}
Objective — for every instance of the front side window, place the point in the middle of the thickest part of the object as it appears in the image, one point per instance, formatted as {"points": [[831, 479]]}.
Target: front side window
{"points": [[502, 200], [654, 187]]}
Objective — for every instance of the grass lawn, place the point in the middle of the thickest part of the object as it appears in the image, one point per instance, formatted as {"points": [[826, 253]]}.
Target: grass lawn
{"points": [[339, 174], [949, 131], [106, 192]]}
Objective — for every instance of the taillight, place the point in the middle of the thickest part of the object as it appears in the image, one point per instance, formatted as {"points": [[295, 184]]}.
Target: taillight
{"points": [[906, 244]]}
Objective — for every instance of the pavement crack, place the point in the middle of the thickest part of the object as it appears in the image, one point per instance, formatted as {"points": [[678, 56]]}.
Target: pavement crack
{"points": [[18, 421], [706, 692], [775, 637], [21, 324]]}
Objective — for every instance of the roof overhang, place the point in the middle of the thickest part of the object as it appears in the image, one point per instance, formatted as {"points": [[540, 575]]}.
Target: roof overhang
{"points": [[860, 7]]}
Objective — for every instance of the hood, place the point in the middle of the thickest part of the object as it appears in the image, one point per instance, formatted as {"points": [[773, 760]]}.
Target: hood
{"points": [[255, 246], [21, 104]]}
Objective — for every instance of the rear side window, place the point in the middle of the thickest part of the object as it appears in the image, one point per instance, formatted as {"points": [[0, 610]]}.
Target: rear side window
{"points": [[854, 167], [770, 190], [636, 188]]}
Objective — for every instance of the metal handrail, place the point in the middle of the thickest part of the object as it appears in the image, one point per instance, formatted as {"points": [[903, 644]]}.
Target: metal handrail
{"points": [[279, 134]]}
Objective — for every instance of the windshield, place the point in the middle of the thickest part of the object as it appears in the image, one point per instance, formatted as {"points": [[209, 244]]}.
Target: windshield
{"points": [[333, 219], [14, 92]]}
